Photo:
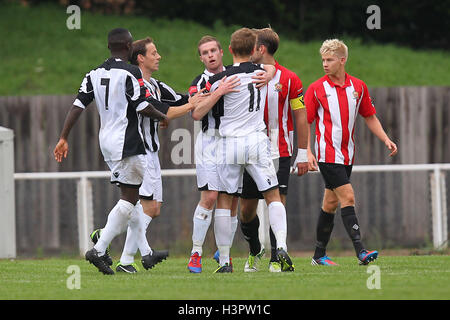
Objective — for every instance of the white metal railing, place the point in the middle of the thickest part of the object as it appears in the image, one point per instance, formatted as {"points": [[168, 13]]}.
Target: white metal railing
{"points": [[85, 208]]}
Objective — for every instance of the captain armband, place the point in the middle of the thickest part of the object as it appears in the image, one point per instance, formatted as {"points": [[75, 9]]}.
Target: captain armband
{"points": [[297, 103]]}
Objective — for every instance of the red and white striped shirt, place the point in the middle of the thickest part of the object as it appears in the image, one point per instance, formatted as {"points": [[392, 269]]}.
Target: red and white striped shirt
{"points": [[334, 108], [283, 90]]}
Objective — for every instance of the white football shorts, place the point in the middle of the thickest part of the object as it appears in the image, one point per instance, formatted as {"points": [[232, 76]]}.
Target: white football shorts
{"points": [[251, 152], [205, 162], [128, 171], [151, 188]]}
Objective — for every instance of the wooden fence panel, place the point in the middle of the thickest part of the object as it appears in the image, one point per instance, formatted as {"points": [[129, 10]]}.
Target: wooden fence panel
{"points": [[393, 208]]}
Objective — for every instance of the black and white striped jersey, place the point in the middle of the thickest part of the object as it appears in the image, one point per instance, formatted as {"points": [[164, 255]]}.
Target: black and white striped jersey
{"points": [[242, 112], [211, 120], [119, 92], [160, 92]]}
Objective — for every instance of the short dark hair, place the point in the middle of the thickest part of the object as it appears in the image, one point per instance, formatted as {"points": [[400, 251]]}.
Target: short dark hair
{"points": [[243, 42], [139, 47], [268, 38], [206, 39], [118, 39]]}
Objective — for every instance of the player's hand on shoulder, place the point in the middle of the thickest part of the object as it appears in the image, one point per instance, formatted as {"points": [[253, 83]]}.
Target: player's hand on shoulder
{"points": [[61, 150], [227, 85], [261, 79]]}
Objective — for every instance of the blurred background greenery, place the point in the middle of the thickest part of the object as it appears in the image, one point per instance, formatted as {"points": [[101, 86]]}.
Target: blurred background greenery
{"points": [[41, 56]]}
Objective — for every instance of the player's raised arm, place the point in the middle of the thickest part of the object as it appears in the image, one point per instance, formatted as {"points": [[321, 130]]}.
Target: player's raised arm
{"points": [[226, 85]]}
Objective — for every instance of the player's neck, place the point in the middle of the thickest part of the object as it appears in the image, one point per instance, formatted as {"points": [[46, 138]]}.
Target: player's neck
{"points": [[120, 55], [338, 78], [237, 59], [146, 74], [216, 70], [268, 59]]}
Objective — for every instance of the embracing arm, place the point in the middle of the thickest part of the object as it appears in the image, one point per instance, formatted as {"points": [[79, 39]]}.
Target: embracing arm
{"points": [[225, 86]]}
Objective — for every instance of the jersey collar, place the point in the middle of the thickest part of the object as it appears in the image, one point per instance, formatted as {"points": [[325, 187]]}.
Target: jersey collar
{"points": [[210, 74], [332, 84]]}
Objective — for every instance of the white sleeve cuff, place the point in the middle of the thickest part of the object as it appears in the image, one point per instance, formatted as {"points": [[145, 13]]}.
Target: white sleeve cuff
{"points": [[142, 106], [78, 103]]}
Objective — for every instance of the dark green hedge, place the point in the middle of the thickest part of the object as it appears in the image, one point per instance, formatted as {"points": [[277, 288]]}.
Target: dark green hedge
{"points": [[418, 24]]}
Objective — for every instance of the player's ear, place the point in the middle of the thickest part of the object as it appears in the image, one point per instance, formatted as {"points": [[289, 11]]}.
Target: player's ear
{"points": [[231, 50]]}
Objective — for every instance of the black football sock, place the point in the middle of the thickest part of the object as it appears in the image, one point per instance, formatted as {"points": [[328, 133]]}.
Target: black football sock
{"points": [[250, 231], [323, 232], [273, 246], [351, 225]]}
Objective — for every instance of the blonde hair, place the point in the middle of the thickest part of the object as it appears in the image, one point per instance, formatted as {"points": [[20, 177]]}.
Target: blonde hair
{"points": [[334, 46]]}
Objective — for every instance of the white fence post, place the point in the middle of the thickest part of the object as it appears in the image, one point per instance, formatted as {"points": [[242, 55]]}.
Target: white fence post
{"points": [[438, 208], [85, 214], [7, 200]]}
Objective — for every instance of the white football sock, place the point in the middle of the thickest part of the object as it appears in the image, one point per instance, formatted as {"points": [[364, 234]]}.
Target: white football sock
{"points": [[234, 225], [222, 232], [115, 225], [201, 222], [277, 220], [136, 236]]}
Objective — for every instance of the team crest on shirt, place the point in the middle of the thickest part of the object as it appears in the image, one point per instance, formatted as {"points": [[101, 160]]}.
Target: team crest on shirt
{"points": [[355, 95], [278, 87]]}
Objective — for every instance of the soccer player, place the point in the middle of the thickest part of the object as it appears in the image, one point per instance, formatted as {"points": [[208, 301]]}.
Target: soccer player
{"points": [[211, 53], [120, 97], [284, 92], [145, 55], [244, 144], [333, 102]]}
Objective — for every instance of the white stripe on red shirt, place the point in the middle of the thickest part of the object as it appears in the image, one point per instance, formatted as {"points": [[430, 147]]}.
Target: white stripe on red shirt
{"points": [[284, 86], [334, 108]]}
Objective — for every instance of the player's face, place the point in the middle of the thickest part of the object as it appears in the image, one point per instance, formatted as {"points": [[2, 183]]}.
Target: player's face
{"points": [[151, 58], [257, 55], [332, 64], [211, 55]]}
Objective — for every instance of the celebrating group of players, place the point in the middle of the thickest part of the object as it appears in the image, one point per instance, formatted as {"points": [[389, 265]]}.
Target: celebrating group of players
{"points": [[243, 152]]}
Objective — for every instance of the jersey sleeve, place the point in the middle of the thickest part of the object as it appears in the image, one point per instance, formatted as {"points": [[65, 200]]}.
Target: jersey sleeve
{"points": [[311, 104], [85, 93], [193, 88], [366, 108], [137, 91], [170, 96], [158, 105], [296, 100]]}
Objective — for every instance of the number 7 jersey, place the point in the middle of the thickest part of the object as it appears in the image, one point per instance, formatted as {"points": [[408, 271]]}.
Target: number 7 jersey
{"points": [[242, 112], [119, 92]]}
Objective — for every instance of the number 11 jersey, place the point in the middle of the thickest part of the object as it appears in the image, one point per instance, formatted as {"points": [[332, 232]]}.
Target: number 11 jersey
{"points": [[242, 113]]}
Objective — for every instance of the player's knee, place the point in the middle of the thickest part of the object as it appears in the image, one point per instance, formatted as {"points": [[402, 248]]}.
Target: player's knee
{"points": [[348, 200], [330, 205], [248, 209], [208, 199]]}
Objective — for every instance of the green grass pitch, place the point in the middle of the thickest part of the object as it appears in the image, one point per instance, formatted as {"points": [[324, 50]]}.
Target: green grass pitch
{"points": [[400, 277]]}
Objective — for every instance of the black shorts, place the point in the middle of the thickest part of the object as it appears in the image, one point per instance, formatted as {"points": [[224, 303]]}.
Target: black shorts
{"points": [[335, 175], [250, 190]]}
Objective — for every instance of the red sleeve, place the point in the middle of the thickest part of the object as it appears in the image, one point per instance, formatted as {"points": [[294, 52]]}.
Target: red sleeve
{"points": [[366, 108], [311, 104], [296, 87]]}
